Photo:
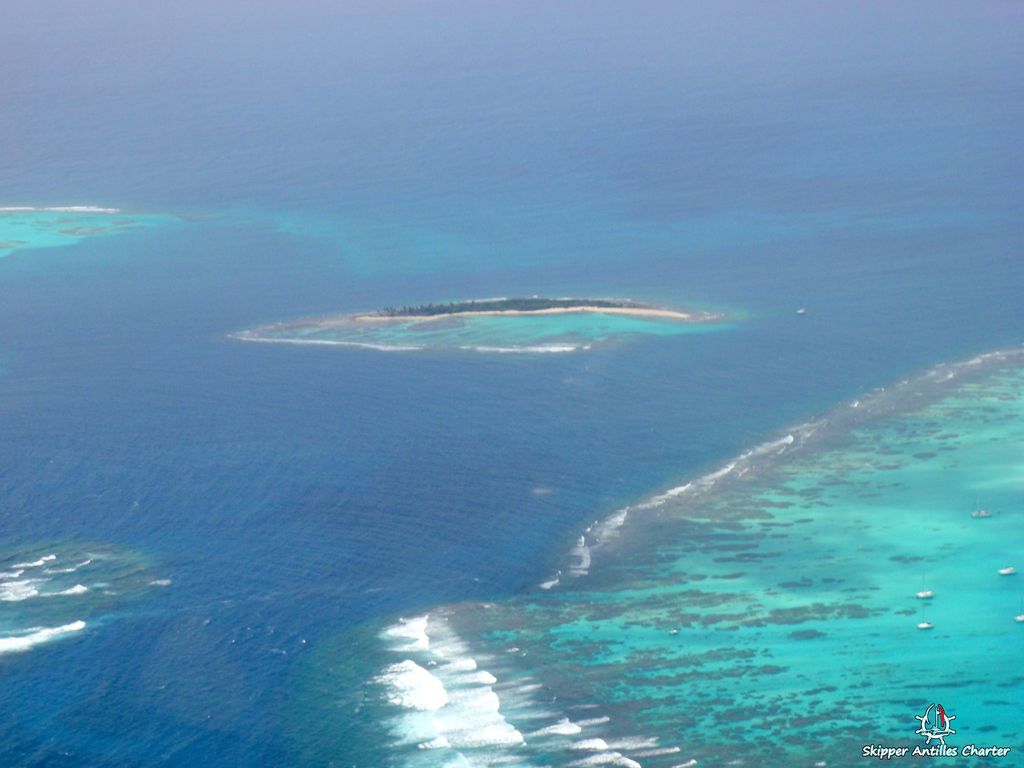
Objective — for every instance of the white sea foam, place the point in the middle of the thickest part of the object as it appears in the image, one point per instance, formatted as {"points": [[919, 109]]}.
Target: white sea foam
{"points": [[609, 527], [411, 686], [57, 209], [601, 532], [70, 569], [462, 665], [78, 589], [564, 727], [448, 700], [412, 633], [38, 636], [591, 744], [658, 752], [449, 705], [608, 758], [16, 591], [705, 482], [581, 553], [439, 742], [634, 742], [327, 343], [36, 563], [535, 349], [160, 583], [550, 583], [12, 574]]}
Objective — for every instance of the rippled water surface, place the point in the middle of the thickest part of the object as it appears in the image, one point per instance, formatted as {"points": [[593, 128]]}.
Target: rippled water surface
{"points": [[258, 517]]}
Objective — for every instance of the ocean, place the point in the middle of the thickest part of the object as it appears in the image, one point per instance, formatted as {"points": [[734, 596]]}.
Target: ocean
{"points": [[257, 518]]}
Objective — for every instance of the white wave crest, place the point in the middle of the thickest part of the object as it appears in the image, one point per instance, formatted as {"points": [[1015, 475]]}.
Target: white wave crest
{"points": [[411, 632], [483, 677], [70, 569], [659, 752], [438, 743], [608, 528], [462, 665], [535, 349], [26, 642], [601, 532], [608, 758], [635, 742], [453, 711], [591, 744], [16, 591], [449, 702], [57, 209], [78, 589], [36, 563], [564, 727], [411, 686], [581, 553], [327, 343]]}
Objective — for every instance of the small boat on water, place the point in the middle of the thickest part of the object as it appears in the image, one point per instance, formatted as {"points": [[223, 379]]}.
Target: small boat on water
{"points": [[980, 513], [925, 625], [802, 311], [925, 594], [1007, 571], [1019, 618]]}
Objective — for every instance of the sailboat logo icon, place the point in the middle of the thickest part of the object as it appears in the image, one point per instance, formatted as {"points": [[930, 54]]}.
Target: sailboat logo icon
{"points": [[935, 724]]}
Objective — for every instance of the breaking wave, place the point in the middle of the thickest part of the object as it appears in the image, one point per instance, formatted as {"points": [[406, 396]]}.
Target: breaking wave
{"points": [[327, 343], [37, 636], [444, 698], [57, 209], [536, 349], [529, 350], [752, 462], [51, 594]]}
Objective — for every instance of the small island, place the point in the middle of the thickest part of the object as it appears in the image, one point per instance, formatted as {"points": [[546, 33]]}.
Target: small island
{"points": [[533, 305], [498, 325]]}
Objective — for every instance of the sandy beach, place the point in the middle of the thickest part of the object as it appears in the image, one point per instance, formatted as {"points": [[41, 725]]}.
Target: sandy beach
{"points": [[665, 314]]}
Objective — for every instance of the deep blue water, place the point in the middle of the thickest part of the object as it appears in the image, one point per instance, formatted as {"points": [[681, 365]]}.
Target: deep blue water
{"points": [[864, 163]]}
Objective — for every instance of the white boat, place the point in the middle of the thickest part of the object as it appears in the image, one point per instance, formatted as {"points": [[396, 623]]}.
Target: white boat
{"points": [[925, 625], [1019, 618], [978, 513], [925, 594], [1007, 571], [801, 311]]}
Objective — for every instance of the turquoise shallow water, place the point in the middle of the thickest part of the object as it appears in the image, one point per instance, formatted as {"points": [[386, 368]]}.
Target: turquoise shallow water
{"points": [[486, 333], [24, 228], [764, 613]]}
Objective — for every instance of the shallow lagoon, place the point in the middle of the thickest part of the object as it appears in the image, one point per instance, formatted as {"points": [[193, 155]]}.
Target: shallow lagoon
{"points": [[23, 227]]}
